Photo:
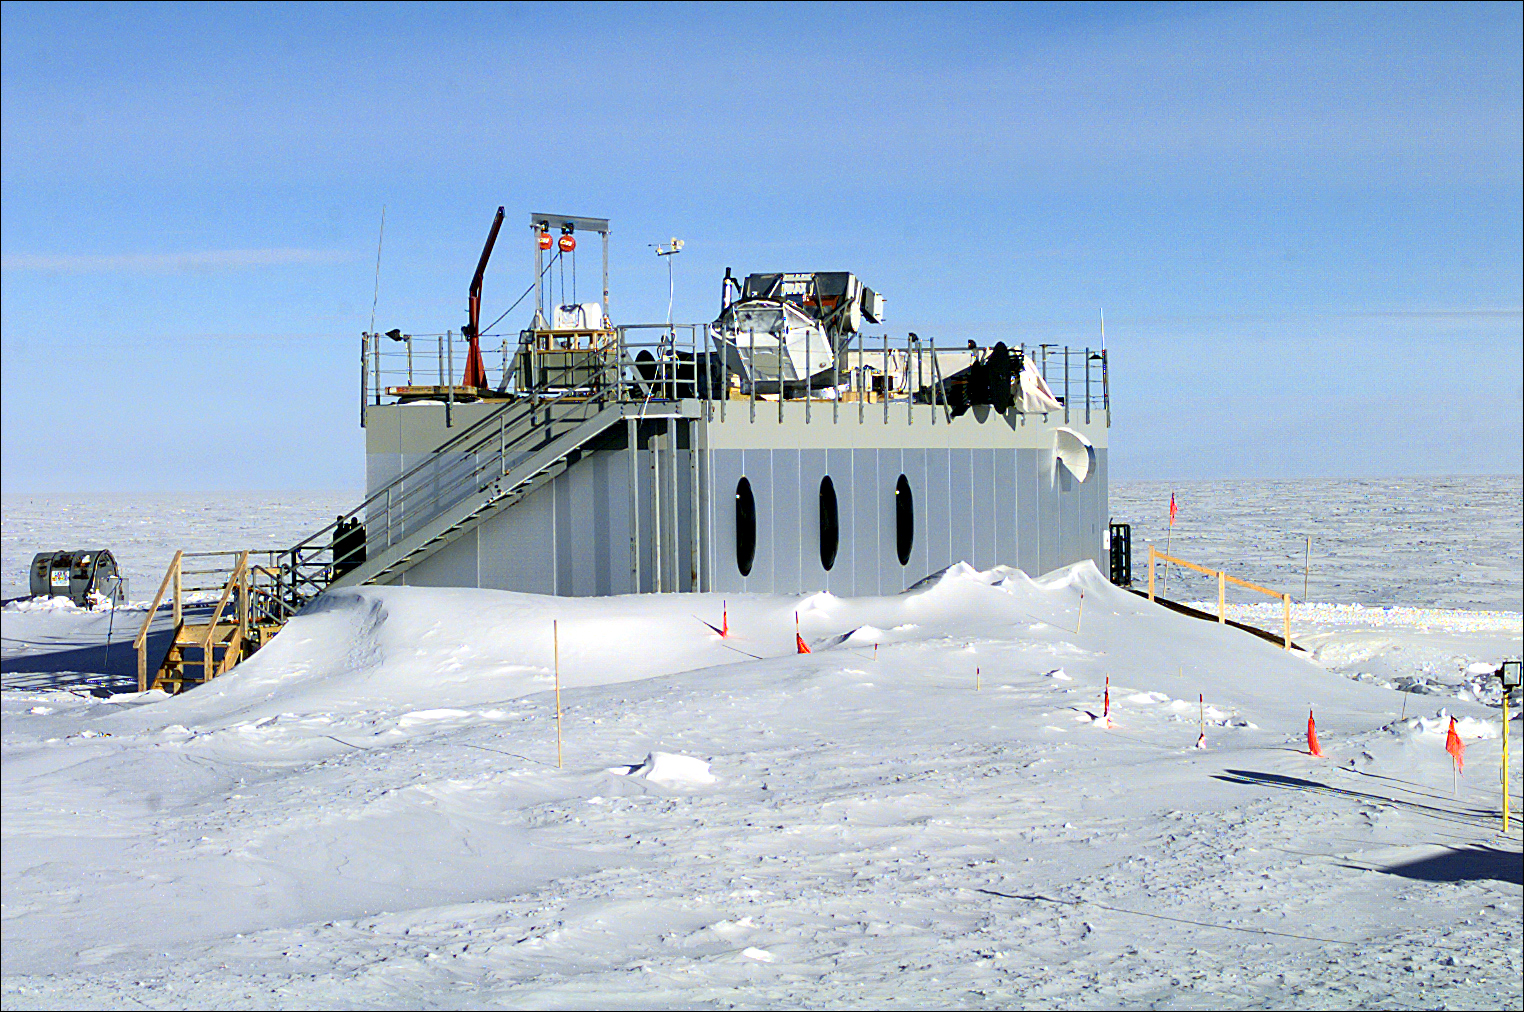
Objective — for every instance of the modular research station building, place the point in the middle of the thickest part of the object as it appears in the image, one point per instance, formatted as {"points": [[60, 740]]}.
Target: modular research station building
{"points": [[790, 445]]}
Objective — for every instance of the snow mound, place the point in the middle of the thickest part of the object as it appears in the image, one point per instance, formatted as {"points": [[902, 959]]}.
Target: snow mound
{"points": [[1439, 725], [421, 660], [670, 769], [42, 604]]}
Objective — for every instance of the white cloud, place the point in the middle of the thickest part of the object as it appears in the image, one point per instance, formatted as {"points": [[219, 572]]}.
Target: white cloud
{"points": [[169, 263]]}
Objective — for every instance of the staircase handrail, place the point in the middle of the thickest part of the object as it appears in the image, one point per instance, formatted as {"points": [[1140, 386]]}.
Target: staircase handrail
{"points": [[539, 460], [474, 437], [211, 630], [141, 642], [444, 447]]}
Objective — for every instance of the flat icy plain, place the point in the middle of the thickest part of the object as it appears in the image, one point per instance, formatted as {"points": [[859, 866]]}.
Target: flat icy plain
{"points": [[1425, 542], [933, 808]]}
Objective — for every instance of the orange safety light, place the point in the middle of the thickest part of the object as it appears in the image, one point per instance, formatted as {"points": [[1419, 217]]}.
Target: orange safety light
{"points": [[544, 239], [568, 243]]}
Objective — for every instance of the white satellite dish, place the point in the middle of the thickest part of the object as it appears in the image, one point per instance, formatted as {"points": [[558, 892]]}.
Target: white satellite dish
{"points": [[1075, 452]]}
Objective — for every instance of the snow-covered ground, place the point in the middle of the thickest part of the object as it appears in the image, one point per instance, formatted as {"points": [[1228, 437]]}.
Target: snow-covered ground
{"points": [[925, 811]]}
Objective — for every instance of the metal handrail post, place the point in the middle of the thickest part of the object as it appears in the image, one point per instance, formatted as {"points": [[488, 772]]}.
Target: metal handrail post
{"points": [[1087, 386], [861, 376], [1066, 384], [364, 394], [886, 377], [376, 354], [450, 376], [934, 384], [807, 370], [910, 391], [1106, 385], [619, 364], [947, 412], [752, 375]]}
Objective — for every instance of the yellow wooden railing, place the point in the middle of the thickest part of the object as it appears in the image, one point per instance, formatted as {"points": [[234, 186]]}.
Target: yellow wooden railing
{"points": [[238, 578], [141, 643], [1223, 579], [174, 577]]}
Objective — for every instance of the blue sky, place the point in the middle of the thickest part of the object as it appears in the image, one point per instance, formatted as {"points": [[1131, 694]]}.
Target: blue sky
{"points": [[1303, 223]]}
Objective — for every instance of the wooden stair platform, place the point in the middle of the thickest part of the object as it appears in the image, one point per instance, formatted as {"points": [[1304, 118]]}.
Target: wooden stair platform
{"points": [[201, 650]]}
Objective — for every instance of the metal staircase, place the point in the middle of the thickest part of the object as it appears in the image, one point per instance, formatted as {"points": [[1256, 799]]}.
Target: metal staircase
{"points": [[501, 471], [515, 449], [487, 467]]}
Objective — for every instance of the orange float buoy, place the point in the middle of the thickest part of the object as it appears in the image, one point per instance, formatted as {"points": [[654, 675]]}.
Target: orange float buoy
{"points": [[545, 241], [568, 244]]}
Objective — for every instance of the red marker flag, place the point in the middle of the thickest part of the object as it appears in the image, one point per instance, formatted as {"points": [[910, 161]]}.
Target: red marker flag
{"points": [[1455, 747], [1312, 736], [724, 619], [1172, 509], [799, 644]]}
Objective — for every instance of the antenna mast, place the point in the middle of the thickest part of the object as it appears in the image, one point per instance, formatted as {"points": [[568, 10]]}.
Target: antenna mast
{"points": [[376, 295]]}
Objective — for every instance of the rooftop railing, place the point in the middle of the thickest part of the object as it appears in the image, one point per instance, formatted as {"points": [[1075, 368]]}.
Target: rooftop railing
{"points": [[664, 362]]}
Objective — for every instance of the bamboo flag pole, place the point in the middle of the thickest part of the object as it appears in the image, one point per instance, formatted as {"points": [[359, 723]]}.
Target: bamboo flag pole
{"points": [[1169, 533], [555, 640], [1306, 569]]}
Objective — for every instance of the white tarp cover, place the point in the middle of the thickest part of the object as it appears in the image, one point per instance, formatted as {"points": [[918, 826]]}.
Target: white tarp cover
{"points": [[1035, 397]]}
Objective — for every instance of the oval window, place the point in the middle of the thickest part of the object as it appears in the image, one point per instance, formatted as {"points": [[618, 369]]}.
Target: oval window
{"points": [[746, 527], [904, 519], [830, 531]]}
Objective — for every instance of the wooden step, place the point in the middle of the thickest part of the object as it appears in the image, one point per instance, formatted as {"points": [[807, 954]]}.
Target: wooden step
{"points": [[195, 635]]}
